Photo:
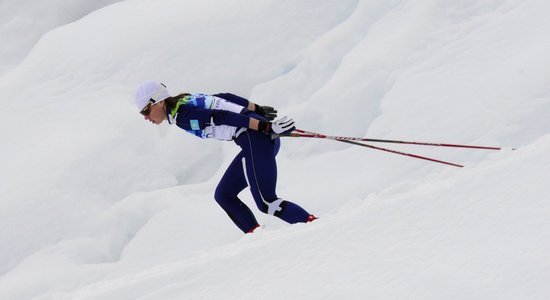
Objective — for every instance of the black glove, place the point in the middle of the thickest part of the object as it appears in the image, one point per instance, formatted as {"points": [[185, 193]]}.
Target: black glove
{"points": [[267, 112]]}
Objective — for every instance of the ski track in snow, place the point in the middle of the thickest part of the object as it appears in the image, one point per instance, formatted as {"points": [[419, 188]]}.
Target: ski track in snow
{"points": [[96, 204]]}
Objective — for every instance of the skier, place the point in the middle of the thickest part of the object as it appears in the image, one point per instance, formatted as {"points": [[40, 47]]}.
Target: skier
{"points": [[230, 117]]}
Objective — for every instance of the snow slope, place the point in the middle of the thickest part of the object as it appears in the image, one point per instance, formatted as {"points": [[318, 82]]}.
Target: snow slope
{"points": [[23, 22], [97, 204]]}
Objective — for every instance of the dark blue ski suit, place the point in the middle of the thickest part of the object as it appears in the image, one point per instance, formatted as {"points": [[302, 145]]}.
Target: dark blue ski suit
{"points": [[225, 117]]}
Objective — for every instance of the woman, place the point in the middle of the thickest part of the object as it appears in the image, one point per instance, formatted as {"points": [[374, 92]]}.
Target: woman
{"points": [[230, 117]]}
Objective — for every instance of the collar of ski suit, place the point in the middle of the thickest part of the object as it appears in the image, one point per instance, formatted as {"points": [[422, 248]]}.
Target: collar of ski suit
{"points": [[173, 114]]}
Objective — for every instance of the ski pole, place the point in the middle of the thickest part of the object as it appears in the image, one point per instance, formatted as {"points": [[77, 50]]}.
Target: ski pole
{"points": [[303, 133], [307, 134], [402, 153]]}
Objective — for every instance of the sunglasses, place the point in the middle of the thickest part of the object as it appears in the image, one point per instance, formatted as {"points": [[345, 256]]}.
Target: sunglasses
{"points": [[147, 109]]}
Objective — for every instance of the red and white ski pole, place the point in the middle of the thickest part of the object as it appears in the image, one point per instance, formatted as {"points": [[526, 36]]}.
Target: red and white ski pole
{"points": [[357, 141], [308, 134]]}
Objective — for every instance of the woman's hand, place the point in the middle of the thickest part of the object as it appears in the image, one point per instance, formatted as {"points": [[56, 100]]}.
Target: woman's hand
{"points": [[283, 126], [267, 112]]}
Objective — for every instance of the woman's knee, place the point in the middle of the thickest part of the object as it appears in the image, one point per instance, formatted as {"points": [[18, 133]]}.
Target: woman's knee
{"points": [[220, 195]]}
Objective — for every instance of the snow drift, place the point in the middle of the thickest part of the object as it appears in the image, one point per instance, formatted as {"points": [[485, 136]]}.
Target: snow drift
{"points": [[97, 204]]}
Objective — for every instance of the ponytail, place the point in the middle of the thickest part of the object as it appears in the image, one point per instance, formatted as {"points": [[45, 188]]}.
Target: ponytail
{"points": [[171, 102]]}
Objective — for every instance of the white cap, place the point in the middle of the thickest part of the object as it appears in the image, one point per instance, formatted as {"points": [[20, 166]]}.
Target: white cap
{"points": [[150, 90]]}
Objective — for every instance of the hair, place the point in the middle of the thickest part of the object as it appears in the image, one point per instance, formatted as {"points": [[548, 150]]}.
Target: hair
{"points": [[171, 102]]}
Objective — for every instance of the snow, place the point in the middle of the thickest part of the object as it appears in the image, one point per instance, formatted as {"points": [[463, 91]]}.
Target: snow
{"points": [[23, 22], [98, 204]]}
